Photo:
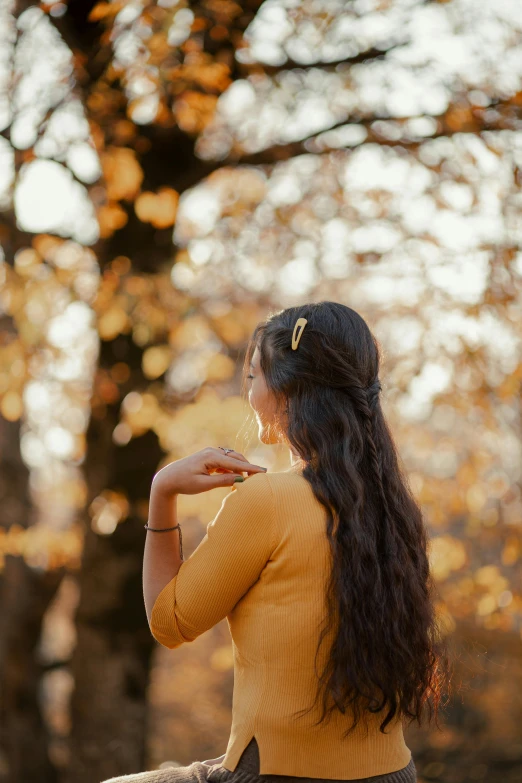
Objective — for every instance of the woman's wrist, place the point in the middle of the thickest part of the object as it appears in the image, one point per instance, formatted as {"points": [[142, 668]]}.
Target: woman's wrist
{"points": [[159, 487], [162, 507]]}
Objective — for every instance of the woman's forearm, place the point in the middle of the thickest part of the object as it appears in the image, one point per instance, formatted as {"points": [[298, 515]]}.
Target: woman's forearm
{"points": [[161, 557]]}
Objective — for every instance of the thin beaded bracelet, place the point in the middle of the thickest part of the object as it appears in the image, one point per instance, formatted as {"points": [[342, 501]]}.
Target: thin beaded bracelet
{"points": [[164, 530]]}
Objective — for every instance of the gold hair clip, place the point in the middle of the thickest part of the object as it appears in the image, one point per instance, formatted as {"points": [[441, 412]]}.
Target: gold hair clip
{"points": [[295, 340]]}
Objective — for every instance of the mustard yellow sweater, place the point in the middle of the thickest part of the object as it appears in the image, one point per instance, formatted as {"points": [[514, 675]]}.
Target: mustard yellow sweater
{"points": [[263, 564]]}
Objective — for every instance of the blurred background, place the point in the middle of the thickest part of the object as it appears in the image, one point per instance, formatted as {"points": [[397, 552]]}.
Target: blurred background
{"points": [[170, 173]]}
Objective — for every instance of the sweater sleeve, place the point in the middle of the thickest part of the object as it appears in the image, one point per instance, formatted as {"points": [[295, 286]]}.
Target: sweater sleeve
{"points": [[227, 562]]}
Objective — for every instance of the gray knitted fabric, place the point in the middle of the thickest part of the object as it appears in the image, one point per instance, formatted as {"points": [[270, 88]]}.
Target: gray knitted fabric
{"points": [[247, 771]]}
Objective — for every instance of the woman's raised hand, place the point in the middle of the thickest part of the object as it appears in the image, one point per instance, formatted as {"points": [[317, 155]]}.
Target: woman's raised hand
{"points": [[203, 470]]}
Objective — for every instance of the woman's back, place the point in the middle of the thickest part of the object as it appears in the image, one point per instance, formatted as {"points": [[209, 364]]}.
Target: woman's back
{"points": [[275, 630], [270, 537]]}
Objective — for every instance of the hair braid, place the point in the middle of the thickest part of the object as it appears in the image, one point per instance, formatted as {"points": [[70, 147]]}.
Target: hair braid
{"points": [[367, 399]]}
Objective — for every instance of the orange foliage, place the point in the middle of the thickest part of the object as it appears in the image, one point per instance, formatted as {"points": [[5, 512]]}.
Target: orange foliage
{"points": [[193, 110], [104, 10], [110, 217], [123, 174], [158, 209]]}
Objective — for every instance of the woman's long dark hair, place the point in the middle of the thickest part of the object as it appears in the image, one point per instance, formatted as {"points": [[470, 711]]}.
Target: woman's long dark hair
{"points": [[388, 651]]}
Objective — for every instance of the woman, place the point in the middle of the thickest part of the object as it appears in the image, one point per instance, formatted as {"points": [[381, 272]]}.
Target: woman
{"points": [[321, 570]]}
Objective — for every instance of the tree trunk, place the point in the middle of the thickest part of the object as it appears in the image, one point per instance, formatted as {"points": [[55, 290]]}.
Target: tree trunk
{"points": [[25, 594], [112, 657]]}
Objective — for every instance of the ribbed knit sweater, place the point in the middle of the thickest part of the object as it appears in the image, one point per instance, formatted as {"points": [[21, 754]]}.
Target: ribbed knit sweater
{"points": [[263, 564]]}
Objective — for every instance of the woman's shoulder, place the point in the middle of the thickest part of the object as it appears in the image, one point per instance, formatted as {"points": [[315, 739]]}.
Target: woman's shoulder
{"points": [[284, 481], [292, 492], [270, 483], [291, 474]]}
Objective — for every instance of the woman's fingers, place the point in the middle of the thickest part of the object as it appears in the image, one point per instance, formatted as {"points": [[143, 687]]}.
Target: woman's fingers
{"points": [[203, 470], [233, 453], [239, 464], [236, 454], [219, 480], [222, 480]]}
